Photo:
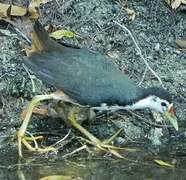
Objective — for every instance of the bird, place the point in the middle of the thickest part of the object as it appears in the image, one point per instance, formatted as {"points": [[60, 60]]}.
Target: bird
{"points": [[87, 79]]}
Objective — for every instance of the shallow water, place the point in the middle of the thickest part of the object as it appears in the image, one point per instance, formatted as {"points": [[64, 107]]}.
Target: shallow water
{"points": [[140, 166]]}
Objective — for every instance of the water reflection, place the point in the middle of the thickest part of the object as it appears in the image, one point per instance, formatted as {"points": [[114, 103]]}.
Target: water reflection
{"points": [[141, 166]]}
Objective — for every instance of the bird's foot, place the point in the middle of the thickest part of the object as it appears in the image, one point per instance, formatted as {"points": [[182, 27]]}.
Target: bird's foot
{"points": [[22, 131], [91, 139], [105, 145], [25, 140]]}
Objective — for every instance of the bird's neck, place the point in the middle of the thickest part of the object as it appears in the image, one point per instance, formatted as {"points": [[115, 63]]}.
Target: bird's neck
{"points": [[143, 99], [140, 104], [146, 102]]}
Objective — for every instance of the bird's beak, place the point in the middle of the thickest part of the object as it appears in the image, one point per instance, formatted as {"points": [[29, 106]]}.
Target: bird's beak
{"points": [[170, 115]]}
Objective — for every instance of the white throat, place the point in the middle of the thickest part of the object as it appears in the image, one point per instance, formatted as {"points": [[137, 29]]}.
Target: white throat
{"points": [[151, 102], [148, 102]]}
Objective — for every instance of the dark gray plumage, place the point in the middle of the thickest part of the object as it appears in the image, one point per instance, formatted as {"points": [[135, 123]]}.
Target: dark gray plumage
{"points": [[88, 78]]}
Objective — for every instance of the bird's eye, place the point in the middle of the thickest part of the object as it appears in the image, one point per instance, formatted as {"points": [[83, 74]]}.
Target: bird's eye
{"points": [[163, 104]]}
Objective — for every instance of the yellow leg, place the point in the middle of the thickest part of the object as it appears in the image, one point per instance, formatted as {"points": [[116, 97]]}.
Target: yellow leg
{"points": [[41, 150], [92, 139], [22, 139], [22, 130], [74, 123]]}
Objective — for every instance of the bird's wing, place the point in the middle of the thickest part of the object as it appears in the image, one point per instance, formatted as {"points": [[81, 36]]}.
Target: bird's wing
{"points": [[86, 77]]}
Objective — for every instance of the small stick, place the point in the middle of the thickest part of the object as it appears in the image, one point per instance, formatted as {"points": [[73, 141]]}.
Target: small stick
{"points": [[140, 53], [61, 140], [75, 151], [143, 77], [22, 34], [33, 84]]}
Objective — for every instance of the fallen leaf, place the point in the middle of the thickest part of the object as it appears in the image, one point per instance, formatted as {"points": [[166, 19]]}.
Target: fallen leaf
{"points": [[34, 14], [17, 11], [115, 153], [50, 28], [183, 1], [14, 10], [131, 13], [181, 43], [62, 33], [175, 4], [32, 8], [163, 163], [56, 177]]}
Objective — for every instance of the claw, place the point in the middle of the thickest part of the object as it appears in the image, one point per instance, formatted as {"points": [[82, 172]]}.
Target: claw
{"points": [[37, 149], [22, 131], [103, 146], [24, 140]]}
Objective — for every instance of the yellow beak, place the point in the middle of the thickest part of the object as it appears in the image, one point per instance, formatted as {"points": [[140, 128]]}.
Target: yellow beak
{"points": [[170, 115]]}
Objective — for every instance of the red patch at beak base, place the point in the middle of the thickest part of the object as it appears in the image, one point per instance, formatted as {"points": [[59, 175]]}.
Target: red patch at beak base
{"points": [[171, 109]]}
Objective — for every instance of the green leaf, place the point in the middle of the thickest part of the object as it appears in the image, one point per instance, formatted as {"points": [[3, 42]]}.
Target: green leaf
{"points": [[163, 163], [62, 33], [56, 177]]}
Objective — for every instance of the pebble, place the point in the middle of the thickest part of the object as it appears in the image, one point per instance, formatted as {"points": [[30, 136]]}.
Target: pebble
{"points": [[157, 47]]}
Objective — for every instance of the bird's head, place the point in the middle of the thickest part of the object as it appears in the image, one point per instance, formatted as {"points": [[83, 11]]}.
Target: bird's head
{"points": [[159, 100]]}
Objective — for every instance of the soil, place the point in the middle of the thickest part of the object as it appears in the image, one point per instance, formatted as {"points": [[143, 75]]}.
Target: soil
{"points": [[155, 29]]}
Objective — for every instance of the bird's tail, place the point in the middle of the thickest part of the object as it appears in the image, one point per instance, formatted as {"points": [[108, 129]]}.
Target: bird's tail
{"points": [[41, 40], [39, 36]]}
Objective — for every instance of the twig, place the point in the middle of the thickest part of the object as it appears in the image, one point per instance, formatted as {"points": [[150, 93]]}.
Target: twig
{"points": [[21, 34], [33, 84], [57, 2], [75, 151], [140, 53], [143, 77], [62, 139]]}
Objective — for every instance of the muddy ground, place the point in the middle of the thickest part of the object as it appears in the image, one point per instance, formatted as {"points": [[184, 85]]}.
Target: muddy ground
{"points": [[155, 28]]}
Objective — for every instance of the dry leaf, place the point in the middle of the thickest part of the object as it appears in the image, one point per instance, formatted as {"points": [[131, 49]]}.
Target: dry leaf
{"points": [[14, 10], [115, 153], [131, 13], [56, 177], [163, 163], [181, 43], [50, 28], [183, 1], [18, 11], [32, 8], [175, 4], [62, 33]]}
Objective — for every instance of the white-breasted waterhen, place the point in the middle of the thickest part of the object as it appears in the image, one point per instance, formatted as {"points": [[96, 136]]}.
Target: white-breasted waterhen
{"points": [[88, 79]]}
